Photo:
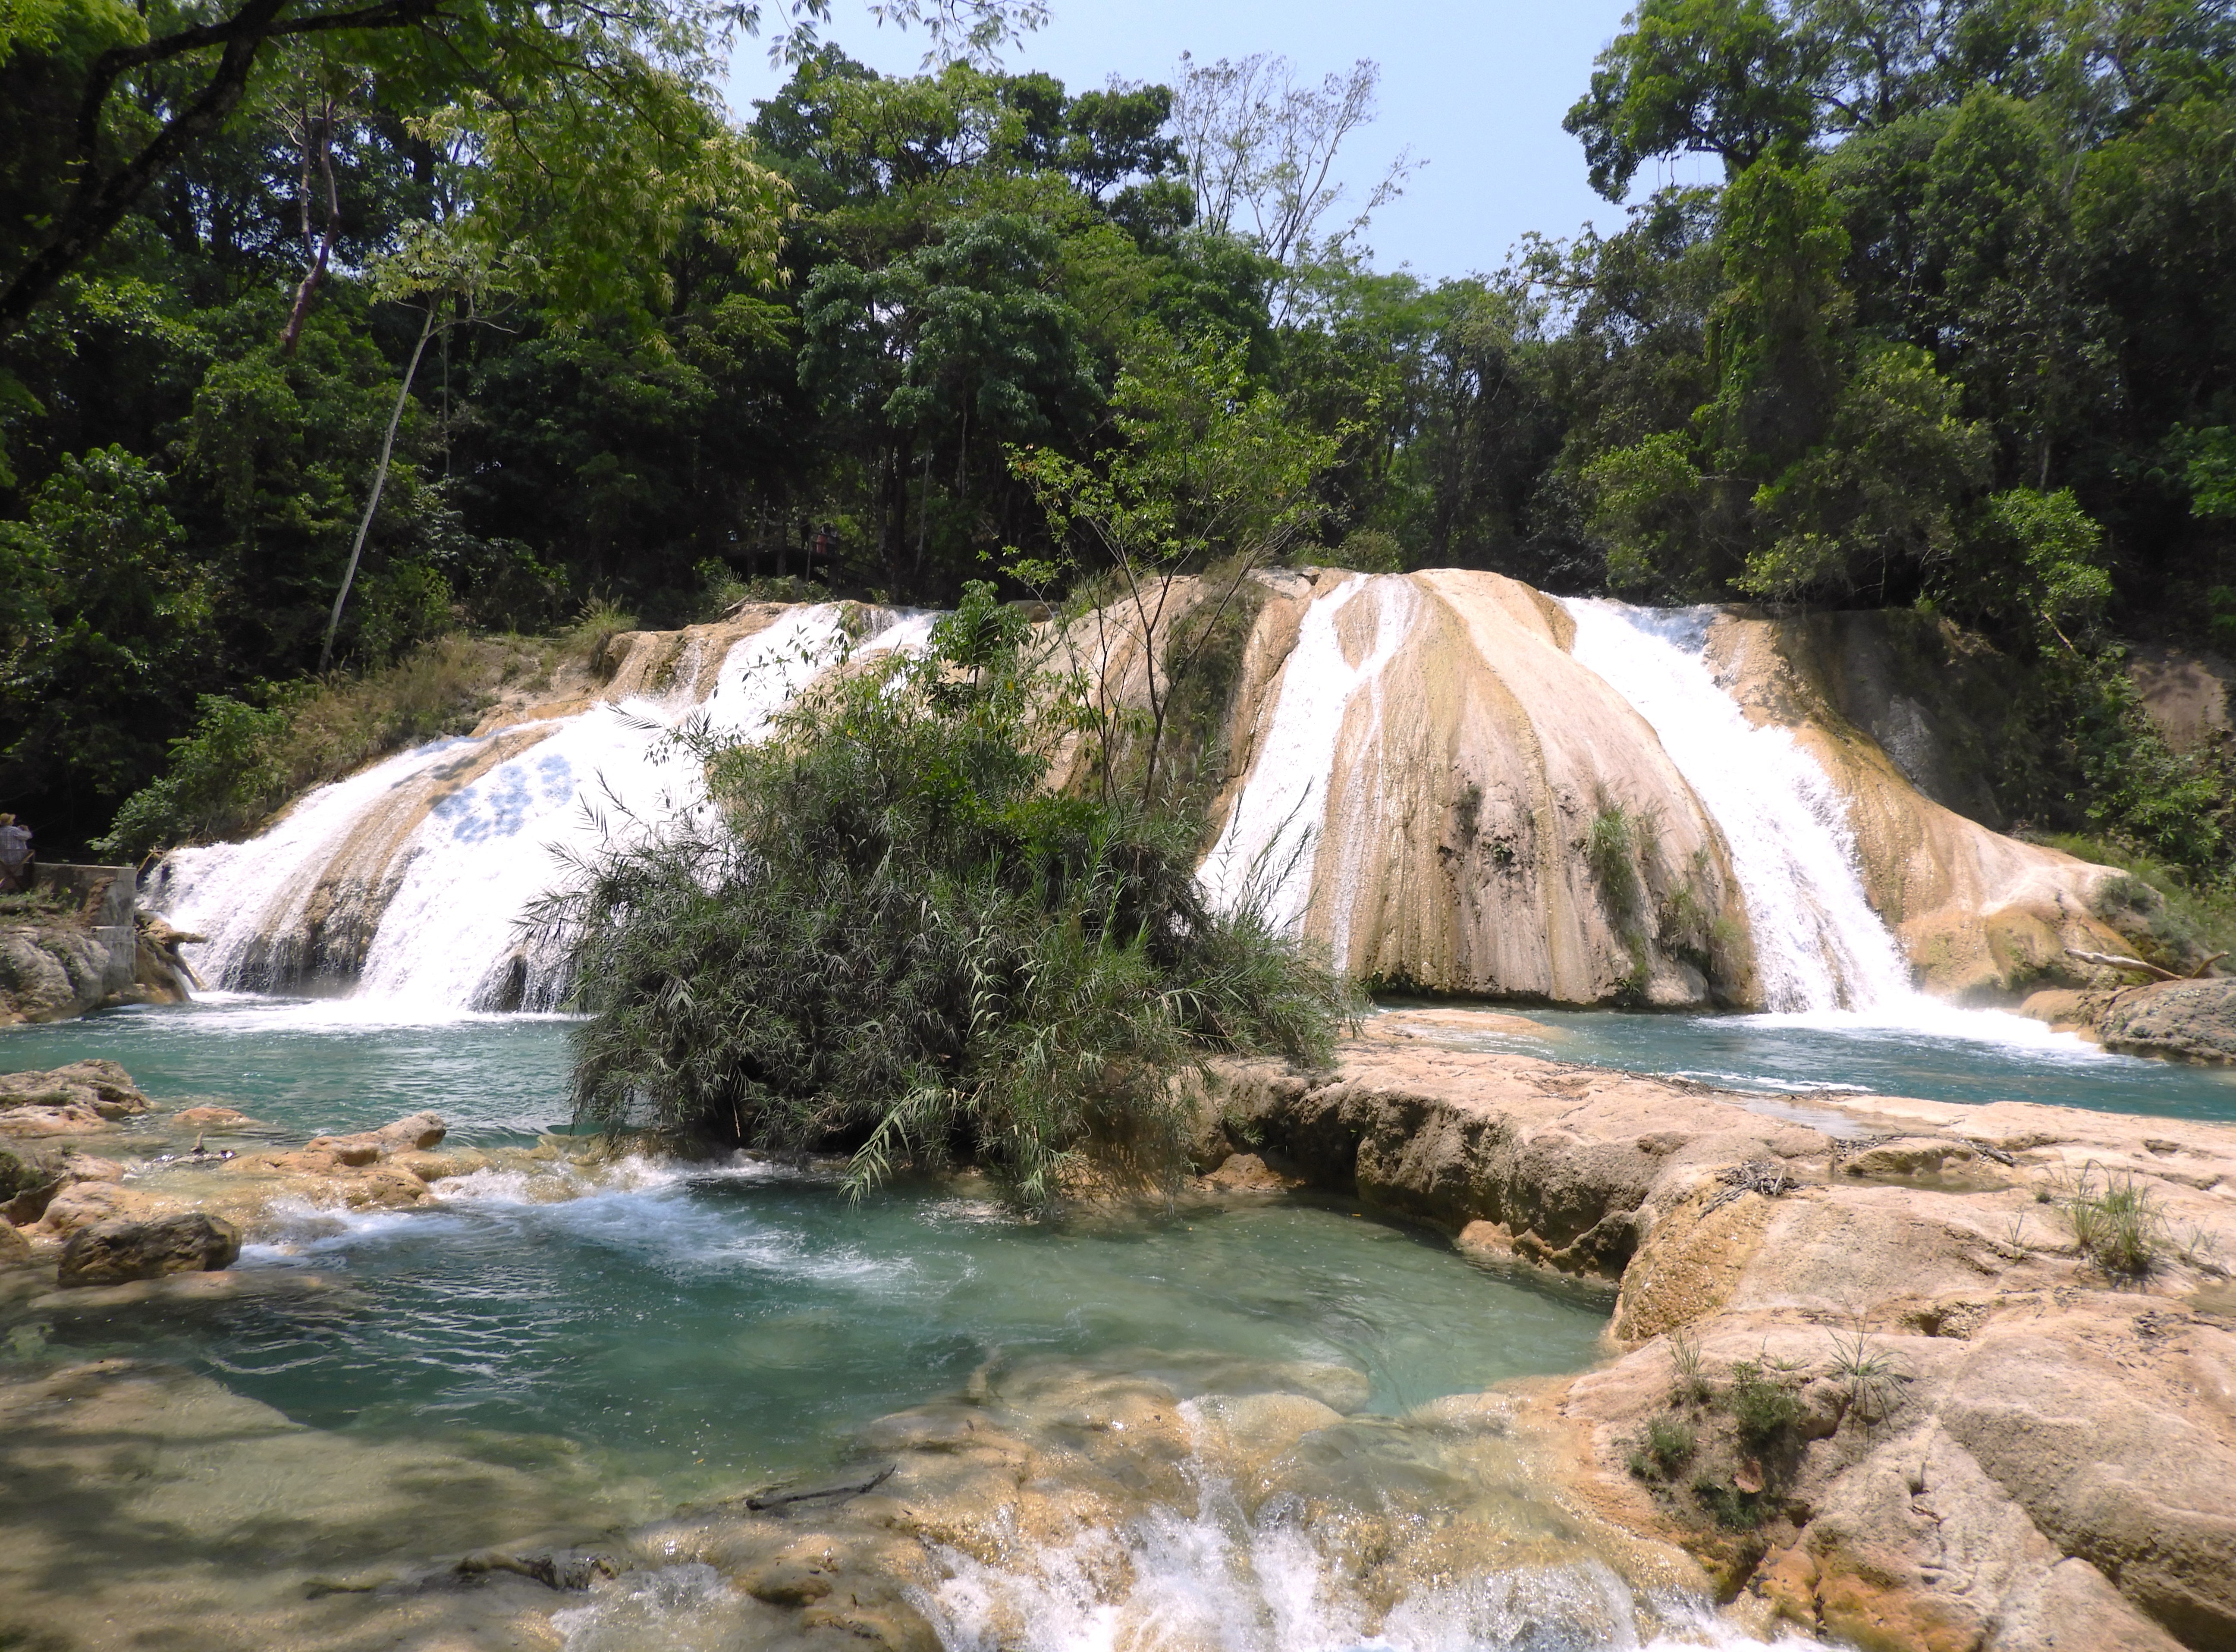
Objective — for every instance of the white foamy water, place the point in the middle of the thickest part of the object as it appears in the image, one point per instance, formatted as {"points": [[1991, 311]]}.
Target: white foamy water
{"points": [[1270, 844], [1218, 1581], [1818, 944], [445, 912], [1824, 957]]}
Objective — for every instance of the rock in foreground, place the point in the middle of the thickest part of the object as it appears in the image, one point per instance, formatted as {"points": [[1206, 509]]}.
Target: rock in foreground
{"points": [[117, 1251], [1893, 1378], [84, 1096]]}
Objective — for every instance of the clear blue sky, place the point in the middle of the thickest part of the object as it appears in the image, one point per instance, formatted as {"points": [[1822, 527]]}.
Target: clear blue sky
{"points": [[1477, 87]]}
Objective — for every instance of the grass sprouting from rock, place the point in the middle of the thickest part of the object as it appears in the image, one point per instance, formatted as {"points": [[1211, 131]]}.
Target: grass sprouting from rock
{"points": [[887, 937]]}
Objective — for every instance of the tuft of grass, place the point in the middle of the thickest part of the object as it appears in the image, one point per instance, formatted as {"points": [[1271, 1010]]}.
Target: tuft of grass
{"points": [[1731, 1508], [1693, 1385], [1765, 1405], [1611, 852], [2118, 1224], [1870, 1375], [591, 635], [1669, 1445]]}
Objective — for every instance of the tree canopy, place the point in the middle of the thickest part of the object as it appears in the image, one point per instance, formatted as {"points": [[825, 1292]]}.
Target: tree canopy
{"points": [[1951, 332]]}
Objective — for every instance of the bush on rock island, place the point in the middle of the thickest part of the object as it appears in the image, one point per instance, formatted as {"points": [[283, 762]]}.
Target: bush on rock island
{"points": [[889, 936]]}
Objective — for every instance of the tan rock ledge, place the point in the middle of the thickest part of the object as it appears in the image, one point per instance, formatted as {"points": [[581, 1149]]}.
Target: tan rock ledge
{"points": [[1929, 1376]]}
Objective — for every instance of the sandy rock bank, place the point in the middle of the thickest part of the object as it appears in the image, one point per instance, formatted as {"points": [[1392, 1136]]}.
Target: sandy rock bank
{"points": [[1875, 1370]]}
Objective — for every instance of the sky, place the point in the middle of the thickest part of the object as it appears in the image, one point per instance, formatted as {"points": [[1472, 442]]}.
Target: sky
{"points": [[1475, 88]]}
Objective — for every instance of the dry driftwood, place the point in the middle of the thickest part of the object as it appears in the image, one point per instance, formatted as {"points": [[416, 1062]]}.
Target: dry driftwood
{"points": [[2113, 961]]}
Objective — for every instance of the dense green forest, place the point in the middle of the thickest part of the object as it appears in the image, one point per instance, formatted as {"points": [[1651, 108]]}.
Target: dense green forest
{"points": [[1956, 332]]}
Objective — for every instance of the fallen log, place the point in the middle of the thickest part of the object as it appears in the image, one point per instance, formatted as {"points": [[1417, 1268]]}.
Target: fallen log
{"points": [[2115, 961]]}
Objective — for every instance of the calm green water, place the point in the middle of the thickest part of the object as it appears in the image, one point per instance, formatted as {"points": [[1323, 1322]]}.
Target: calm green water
{"points": [[706, 1324]]}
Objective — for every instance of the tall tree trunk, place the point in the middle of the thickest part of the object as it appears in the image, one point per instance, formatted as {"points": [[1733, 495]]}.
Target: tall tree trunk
{"points": [[293, 333], [379, 481]]}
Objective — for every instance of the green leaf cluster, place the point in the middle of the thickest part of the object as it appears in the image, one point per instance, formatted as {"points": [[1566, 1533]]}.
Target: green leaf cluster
{"points": [[888, 938]]}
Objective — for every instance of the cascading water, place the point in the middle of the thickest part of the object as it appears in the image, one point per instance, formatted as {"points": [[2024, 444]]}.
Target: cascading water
{"points": [[439, 910], [1269, 847], [1818, 944]]}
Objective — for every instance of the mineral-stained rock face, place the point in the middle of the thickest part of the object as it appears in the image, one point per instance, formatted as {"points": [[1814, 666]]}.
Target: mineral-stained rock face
{"points": [[1975, 1436], [1443, 761], [1453, 768], [114, 1252]]}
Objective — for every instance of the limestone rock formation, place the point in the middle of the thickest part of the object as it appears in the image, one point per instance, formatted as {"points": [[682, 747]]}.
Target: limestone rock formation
{"points": [[2187, 1020], [81, 1097], [2193, 1020], [114, 1252], [1442, 763], [49, 972], [71, 944], [1898, 1402]]}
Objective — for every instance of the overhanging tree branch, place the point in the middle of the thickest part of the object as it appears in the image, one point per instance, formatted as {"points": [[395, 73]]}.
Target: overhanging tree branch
{"points": [[101, 199]]}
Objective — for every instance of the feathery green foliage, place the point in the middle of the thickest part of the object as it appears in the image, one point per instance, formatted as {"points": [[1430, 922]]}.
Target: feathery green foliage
{"points": [[888, 936]]}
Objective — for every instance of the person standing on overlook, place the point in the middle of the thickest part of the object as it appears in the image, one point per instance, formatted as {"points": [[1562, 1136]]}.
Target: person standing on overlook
{"points": [[15, 855]]}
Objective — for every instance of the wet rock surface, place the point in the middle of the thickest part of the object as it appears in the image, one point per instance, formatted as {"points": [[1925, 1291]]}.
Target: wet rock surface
{"points": [[116, 1251]]}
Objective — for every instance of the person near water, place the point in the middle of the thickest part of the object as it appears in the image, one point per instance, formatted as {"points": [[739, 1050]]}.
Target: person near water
{"points": [[15, 855]]}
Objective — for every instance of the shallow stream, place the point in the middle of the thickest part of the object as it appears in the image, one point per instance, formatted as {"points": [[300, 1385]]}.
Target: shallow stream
{"points": [[592, 1352]]}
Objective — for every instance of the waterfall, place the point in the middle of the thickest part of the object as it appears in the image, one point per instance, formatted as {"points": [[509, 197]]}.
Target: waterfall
{"points": [[1818, 944], [411, 876], [1269, 847]]}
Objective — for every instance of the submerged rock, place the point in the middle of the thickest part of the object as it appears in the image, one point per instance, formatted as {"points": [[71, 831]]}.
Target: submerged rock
{"points": [[202, 1117], [114, 1252]]}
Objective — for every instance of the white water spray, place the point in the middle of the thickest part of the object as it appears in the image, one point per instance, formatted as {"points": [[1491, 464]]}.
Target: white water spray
{"points": [[1269, 846], [1221, 1581], [443, 915], [1818, 944]]}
